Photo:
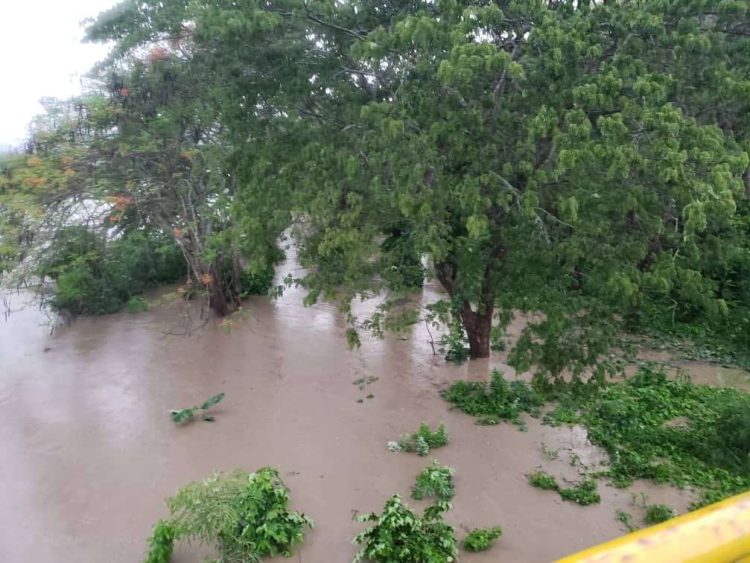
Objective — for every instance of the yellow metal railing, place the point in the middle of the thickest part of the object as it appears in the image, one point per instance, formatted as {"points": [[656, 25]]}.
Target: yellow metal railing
{"points": [[719, 533]]}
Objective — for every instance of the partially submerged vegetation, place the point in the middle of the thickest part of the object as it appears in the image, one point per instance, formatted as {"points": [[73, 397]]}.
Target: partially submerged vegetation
{"points": [[182, 416], [481, 539], [652, 427], [584, 493], [398, 535], [421, 441], [436, 481], [495, 400], [244, 516]]}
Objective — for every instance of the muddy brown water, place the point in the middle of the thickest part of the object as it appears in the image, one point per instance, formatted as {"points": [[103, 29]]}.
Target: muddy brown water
{"points": [[89, 452]]}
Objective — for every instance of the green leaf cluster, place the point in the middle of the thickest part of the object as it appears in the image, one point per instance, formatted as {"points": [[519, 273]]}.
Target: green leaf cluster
{"points": [[245, 516], [436, 481], [495, 400], [584, 493], [481, 539], [183, 416], [421, 441], [398, 535]]}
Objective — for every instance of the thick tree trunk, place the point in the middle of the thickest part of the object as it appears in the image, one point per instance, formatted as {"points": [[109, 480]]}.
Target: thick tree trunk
{"points": [[478, 325]]}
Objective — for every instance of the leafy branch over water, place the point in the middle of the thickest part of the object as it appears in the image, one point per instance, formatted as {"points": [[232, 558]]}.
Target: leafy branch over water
{"points": [[183, 416]]}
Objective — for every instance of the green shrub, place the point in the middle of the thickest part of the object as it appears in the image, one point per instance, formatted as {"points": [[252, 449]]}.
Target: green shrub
{"points": [[481, 539], [657, 513], [94, 275], [542, 480], [400, 536], [244, 516], [161, 543], [496, 400], [436, 481], [584, 493], [421, 441], [137, 305], [627, 520]]}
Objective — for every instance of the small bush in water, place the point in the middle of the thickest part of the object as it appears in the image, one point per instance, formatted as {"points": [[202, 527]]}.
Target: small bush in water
{"points": [[657, 513], [542, 480], [436, 481], [584, 493], [161, 543], [400, 536], [244, 516], [481, 539], [421, 441]]}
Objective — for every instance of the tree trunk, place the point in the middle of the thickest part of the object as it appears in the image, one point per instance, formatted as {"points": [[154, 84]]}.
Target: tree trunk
{"points": [[478, 327], [478, 324]]}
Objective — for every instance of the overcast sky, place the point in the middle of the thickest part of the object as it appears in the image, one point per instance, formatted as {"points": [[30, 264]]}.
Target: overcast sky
{"points": [[41, 54]]}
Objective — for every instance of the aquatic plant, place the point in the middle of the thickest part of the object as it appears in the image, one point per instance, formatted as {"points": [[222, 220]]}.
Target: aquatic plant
{"points": [[245, 516], [481, 539], [435, 480], [182, 416], [400, 536], [421, 441], [657, 513]]}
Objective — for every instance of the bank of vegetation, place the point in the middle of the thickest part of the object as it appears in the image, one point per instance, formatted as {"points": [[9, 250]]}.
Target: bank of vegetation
{"points": [[584, 161]]}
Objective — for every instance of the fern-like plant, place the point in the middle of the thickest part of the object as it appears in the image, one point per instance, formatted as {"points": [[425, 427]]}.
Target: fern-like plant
{"points": [[245, 516]]}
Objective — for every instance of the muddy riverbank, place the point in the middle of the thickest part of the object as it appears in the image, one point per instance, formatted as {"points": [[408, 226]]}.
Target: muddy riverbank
{"points": [[89, 452]]}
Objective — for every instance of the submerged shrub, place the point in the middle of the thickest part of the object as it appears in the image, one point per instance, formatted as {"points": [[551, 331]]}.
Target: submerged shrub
{"points": [[435, 480], [481, 539], [421, 441], [161, 543], [94, 275], [497, 400], [400, 536], [657, 513], [542, 480], [245, 516], [584, 493]]}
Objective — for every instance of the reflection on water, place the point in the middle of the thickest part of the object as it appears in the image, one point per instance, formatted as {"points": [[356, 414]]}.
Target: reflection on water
{"points": [[89, 452]]}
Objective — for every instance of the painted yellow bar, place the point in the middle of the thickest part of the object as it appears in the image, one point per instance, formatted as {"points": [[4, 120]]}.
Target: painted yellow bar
{"points": [[719, 533]]}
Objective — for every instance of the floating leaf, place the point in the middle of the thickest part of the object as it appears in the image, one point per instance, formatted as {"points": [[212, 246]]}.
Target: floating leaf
{"points": [[212, 401]]}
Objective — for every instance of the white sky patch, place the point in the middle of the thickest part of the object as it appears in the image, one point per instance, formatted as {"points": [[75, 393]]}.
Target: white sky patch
{"points": [[41, 55]]}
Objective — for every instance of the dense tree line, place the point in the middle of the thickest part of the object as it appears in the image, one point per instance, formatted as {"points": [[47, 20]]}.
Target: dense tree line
{"points": [[583, 160]]}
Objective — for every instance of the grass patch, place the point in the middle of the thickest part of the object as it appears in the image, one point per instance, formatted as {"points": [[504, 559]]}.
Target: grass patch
{"points": [[627, 519], [542, 480], [584, 493], [497, 400], [657, 513], [421, 441], [436, 481], [481, 539]]}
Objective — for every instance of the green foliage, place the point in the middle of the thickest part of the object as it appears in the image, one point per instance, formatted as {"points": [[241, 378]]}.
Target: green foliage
{"points": [[245, 516], [496, 400], [584, 493], [670, 431], [137, 305], [95, 276], [542, 480], [400, 536], [657, 513], [627, 519], [435, 480], [182, 416], [161, 543], [421, 441], [481, 539]]}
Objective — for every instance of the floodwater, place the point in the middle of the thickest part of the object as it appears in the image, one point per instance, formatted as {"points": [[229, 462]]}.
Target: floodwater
{"points": [[89, 452]]}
